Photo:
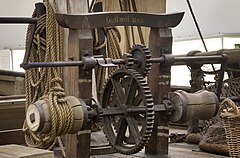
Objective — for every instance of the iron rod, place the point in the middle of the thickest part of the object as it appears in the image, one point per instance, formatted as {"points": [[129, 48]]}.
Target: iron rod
{"points": [[157, 60], [178, 60], [52, 64], [17, 20], [204, 59], [119, 61], [182, 60]]}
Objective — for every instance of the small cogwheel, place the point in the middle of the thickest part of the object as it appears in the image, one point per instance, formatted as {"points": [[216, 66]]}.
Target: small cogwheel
{"points": [[141, 56]]}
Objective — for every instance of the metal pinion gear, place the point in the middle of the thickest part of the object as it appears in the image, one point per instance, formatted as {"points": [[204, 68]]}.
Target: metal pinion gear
{"points": [[141, 54], [128, 111], [130, 60]]}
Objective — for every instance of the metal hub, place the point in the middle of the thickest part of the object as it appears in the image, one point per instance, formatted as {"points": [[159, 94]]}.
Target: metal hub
{"points": [[128, 111]]}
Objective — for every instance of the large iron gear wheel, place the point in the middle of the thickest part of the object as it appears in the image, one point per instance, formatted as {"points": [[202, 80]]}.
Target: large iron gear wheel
{"points": [[128, 111], [142, 55]]}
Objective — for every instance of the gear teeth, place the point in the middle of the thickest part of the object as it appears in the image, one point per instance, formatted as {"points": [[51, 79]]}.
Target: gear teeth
{"points": [[149, 117], [130, 59], [143, 55]]}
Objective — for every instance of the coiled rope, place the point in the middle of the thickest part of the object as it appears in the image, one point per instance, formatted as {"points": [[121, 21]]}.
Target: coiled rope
{"points": [[46, 83]]}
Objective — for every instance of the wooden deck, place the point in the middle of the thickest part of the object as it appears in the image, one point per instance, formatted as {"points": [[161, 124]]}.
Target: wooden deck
{"points": [[176, 150], [18, 151]]}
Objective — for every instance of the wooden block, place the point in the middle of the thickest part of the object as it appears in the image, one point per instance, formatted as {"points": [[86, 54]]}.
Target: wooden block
{"points": [[12, 114], [18, 151], [12, 137], [11, 85]]}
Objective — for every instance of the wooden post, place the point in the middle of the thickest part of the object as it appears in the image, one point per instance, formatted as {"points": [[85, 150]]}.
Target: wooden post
{"points": [[79, 40], [77, 82], [160, 42]]}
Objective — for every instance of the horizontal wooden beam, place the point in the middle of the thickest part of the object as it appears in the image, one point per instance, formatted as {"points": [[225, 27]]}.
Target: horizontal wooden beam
{"points": [[12, 137], [12, 114], [108, 19]]}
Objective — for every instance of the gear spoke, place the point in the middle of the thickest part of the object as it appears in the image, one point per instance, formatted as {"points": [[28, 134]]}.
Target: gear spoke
{"points": [[133, 129], [121, 131], [131, 92], [140, 118], [120, 94], [137, 100]]}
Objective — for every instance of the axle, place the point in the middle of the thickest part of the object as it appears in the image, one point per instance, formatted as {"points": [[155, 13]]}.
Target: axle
{"points": [[108, 62]]}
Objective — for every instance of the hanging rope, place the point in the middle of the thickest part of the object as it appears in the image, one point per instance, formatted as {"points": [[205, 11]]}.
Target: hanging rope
{"points": [[198, 28], [197, 79], [125, 5], [138, 27], [112, 42], [100, 72], [46, 83], [196, 24]]}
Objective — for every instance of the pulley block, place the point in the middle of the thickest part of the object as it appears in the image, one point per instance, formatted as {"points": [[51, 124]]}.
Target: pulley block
{"points": [[201, 105], [39, 119]]}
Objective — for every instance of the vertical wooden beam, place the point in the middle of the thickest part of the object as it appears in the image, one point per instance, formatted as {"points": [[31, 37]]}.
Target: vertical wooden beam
{"points": [[80, 40], [70, 74], [77, 145], [159, 82], [85, 89]]}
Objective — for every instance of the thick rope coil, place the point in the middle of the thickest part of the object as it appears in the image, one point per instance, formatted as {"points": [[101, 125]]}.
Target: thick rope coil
{"points": [[45, 83]]}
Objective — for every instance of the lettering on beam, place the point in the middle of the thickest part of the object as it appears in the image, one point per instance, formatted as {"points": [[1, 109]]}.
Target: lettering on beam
{"points": [[85, 23], [125, 19]]}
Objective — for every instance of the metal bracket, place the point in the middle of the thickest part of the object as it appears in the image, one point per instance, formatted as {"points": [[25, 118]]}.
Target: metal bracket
{"points": [[105, 62]]}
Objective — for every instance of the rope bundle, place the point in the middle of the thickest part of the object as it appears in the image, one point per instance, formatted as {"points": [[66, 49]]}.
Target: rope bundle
{"points": [[112, 41], [45, 83]]}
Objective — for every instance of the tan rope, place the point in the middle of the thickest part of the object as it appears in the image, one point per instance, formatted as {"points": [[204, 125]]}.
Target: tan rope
{"points": [[228, 109], [125, 5], [46, 83], [112, 41], [138, 27], [113, 45], [197, 79]]}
